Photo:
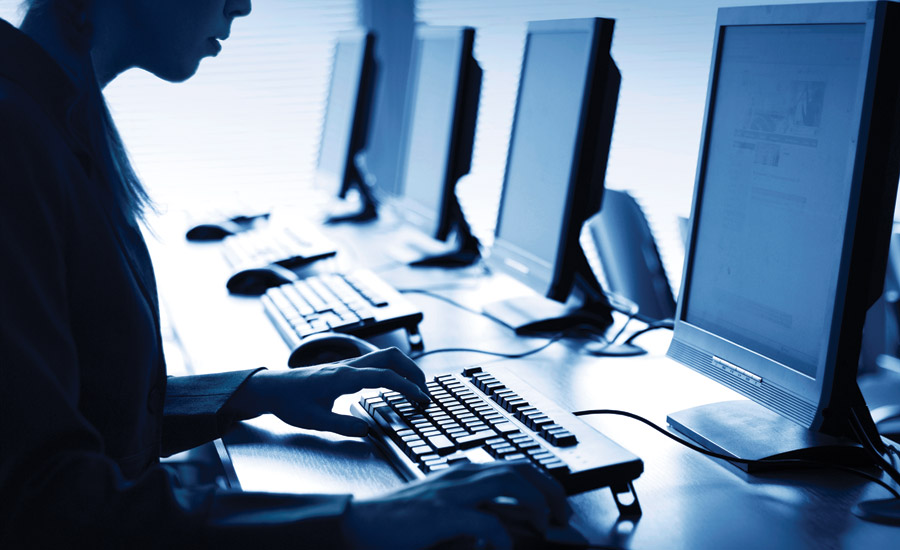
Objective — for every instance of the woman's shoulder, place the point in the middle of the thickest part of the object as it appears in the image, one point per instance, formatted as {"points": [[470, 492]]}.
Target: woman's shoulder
{"points": [[23, 120], [37, 166]]}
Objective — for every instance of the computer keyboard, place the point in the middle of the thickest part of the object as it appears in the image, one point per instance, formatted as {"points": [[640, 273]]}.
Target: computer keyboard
{"points": [[286, 246], [476, 417], [358, 303]]}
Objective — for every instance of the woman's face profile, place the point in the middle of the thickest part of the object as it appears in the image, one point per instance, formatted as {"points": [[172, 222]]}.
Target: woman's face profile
{"points": [[168, 38]]}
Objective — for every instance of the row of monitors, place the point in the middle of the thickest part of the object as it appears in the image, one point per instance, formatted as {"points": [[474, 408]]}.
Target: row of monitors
{"points": [[793, 202], [557, 151]]}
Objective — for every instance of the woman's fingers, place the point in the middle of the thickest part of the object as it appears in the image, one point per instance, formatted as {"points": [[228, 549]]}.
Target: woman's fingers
{"points": [[352, 380], [395, 360]]}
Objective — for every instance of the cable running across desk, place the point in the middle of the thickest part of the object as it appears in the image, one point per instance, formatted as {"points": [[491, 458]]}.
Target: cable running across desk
{"points": [[494, 353], [452, 302], [697, 448]]}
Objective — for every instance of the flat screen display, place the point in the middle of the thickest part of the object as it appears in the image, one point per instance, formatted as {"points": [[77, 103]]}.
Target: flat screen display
{"points": [[431, 118], [774, 198], [542, 148], [338, 124]]}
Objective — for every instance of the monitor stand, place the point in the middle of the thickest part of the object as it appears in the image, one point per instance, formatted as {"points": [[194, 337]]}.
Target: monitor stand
{"points": [[364, 181], [468, 251], [538, 315], [745, 429]]}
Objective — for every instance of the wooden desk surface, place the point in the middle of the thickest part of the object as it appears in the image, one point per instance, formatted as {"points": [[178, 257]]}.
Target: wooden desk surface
{"points": [[688, 500]]}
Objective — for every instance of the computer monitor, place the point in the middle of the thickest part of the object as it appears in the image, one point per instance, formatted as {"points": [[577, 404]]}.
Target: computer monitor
{"points": [[791, 223], [444, 89], [555, 172], [345, 128]]}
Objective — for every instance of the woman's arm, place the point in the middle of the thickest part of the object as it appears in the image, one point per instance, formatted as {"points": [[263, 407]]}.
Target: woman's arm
{"points": [[195, 410], [60, 488]]}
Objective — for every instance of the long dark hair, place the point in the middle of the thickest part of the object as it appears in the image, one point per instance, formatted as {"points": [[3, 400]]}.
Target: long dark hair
{"points": [[92, 113]]}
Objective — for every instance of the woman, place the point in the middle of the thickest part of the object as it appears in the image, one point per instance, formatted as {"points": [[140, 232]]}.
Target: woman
{"points": [[86, 408]]}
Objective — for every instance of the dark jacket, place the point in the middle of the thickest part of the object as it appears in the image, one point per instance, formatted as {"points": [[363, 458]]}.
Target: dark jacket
{"points": [[86, 408]]}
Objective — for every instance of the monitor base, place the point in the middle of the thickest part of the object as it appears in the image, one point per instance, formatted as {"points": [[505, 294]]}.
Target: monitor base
{"points": [[457, 258], [885, 511], [367, 214], [537, 315], [468, 251], [747, 430]]}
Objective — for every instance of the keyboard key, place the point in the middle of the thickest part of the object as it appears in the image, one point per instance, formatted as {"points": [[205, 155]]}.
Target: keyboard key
{"points": [[540, 454], [501, 450], [442, 444], [563, 438], [457, 458], [514, 404], [298, 301], [505, 427], [475, 439], [369, 402], [417, 451], [388, 419], [526, 443], [555, 466]]}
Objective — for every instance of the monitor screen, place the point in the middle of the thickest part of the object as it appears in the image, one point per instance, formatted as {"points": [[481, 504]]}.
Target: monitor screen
{"points": [[781, 149], [337, 128], [542, 154], [437, 59]]}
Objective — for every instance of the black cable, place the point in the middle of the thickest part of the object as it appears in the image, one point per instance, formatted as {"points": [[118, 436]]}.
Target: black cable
{"points": [[665, 323], [867, 444], [430, 292], [772, 461], [452, 302], [611, 341], [494, 353], [587, 329], [462, 285]]}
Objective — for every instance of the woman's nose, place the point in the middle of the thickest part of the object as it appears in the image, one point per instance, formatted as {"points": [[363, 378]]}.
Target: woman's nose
{"points": [[238, 8]]}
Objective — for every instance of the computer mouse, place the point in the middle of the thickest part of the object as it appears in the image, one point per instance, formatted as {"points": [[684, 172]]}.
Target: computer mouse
{"points": [[208, 232], [219, 230], [256, 281], [328, 347]]}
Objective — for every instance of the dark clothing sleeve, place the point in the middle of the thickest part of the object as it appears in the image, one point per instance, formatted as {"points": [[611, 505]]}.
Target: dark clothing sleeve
{"points": [[194, 411], [79, 436]]}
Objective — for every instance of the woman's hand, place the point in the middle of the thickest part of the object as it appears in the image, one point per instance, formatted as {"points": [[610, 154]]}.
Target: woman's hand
{"points": [[304, 397], [474, 504]]}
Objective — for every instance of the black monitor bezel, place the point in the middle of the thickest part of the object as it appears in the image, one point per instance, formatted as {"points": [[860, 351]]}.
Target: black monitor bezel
{"points": [[362, 105], [586, 180], [461, 133], [778, 387]]}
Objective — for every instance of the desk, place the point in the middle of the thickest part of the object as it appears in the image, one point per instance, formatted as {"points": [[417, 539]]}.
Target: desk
{"points": [[689, 500]]}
